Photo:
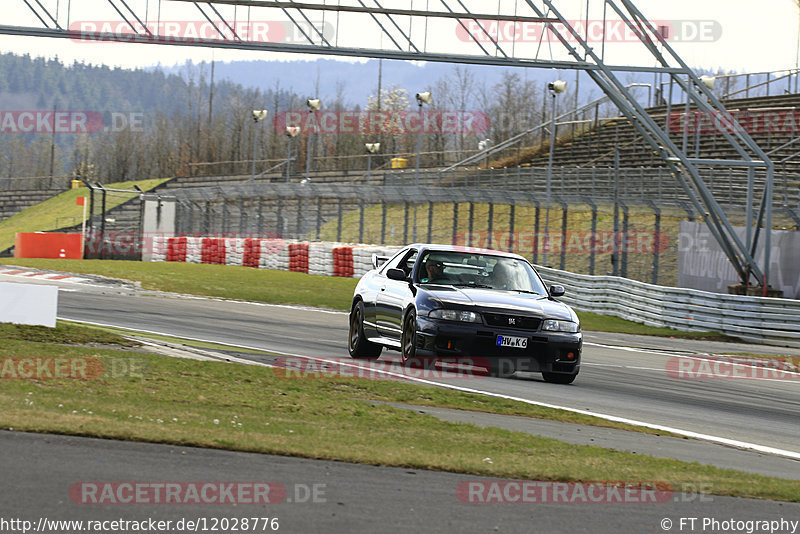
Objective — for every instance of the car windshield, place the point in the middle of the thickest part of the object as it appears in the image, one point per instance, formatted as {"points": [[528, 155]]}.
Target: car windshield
{"points": [[469, 269]]}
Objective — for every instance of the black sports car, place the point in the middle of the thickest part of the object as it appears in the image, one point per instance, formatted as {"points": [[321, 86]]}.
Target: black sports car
{"points": [[436, 301]]}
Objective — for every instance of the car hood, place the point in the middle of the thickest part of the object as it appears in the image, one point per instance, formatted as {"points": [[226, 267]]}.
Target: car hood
{"points": [[500, 302]]}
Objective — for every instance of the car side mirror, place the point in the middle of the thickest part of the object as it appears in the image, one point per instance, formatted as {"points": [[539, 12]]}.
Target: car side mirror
{"points": [[377, 260], [396, 274], [557, 291]]}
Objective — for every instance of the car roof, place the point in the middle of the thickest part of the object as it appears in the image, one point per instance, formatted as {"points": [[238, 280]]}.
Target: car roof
{"points": [[460, 248]]}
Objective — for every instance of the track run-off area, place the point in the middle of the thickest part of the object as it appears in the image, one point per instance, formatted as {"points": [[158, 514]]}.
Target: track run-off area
{"points": [[624, 378]]}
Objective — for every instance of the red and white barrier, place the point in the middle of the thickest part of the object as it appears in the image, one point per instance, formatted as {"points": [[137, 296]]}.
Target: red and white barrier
{"points": [[324, 259]]}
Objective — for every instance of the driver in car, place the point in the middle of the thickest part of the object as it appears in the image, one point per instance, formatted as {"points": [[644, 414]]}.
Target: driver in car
{"points": [[501, 276], [435, 270]]}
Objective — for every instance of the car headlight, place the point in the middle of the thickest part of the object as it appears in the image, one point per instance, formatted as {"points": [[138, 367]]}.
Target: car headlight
{"points": [[455, 315], [552, 325]]}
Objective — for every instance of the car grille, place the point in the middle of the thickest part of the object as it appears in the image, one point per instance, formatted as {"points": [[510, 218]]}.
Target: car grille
{"points": [[512, 321]]}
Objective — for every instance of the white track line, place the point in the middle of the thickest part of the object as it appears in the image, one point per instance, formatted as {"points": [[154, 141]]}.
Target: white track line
{"points": [[703, 358], [687, 433]]}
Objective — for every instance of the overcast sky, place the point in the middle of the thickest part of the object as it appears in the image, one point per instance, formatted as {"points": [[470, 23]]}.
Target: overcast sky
{"points": [[747, 36]]}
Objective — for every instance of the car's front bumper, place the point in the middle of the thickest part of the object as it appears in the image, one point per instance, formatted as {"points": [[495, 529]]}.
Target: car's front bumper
{"points": [[557, 352]]}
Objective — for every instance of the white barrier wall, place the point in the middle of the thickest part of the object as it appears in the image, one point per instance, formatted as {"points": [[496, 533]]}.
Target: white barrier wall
{"points": [[30, 304], [770, 321]]}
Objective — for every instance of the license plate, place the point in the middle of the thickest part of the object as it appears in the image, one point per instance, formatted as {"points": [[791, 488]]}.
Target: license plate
{"points": [[512, 341]]}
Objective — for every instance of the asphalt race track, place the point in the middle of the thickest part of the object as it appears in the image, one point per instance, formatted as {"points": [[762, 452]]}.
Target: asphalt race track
{"points": [[615, 380], [349, 498]]}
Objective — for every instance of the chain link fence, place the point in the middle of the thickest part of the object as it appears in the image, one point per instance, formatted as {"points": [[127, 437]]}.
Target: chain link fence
{"points": [[633, 237]]}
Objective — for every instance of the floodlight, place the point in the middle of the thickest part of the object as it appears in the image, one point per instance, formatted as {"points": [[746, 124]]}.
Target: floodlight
{"points": [[259, 114], [424, 98], [708, 81], [314, 104], [558, 86]]}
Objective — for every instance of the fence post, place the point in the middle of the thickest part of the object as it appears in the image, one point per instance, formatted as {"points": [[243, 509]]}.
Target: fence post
{"points": [[624, 262], [564, 209], [455, 223], [405, 223], [225, 222], [339, 222], [489, 225], [361, 220], [656, 240], [430, 221], [260, 220], [207, 218], [242, 218], [536, 234], [471, 222], [319, 217], [279, 217], [186, 218], [383, 222], [511, 210], [299, 218], [593, 236]]}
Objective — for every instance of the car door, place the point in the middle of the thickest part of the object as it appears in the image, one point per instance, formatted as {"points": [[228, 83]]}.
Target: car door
{"points": [[392, 297]]}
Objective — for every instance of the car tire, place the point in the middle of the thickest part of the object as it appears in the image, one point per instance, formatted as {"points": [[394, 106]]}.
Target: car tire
{"points": [[558, 378], [359, 346], [408, 339]]}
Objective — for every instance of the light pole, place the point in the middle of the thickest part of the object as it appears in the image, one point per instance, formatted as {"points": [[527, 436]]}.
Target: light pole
{"points": [[372, 148], [422, 98], [313, 104], [555, 88], [258, 115], [291, 133]]}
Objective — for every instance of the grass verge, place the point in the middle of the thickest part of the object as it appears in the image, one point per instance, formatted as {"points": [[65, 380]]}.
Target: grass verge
{"points": [[284, 287], [142, 397]]}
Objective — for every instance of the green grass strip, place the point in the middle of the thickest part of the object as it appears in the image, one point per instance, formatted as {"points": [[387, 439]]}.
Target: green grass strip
{"points": [[142, 397]]}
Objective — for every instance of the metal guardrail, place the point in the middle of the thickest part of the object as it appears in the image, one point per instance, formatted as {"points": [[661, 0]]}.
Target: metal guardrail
{"points": [[763, 320]]}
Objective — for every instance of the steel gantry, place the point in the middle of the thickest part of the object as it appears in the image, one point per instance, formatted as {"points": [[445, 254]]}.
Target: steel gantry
{"points": [[548, 34]]}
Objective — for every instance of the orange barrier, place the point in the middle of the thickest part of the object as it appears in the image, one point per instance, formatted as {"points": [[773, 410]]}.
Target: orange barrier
{"points": [[343, 261], [298, 257], [48, 245]]}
